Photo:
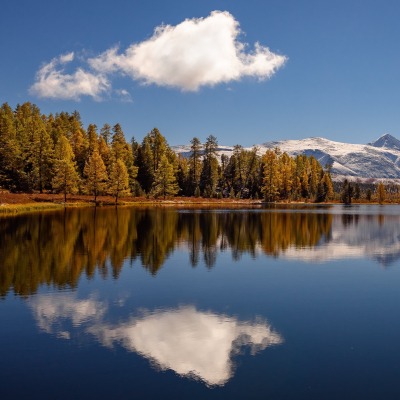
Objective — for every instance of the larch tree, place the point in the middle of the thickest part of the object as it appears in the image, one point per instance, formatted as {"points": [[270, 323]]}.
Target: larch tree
{"points": [[41, 155], [9, 150], [164, 180], [65, 177], [119, 180], [96, 174], [286, 168], [122, 150], [271, 179]]}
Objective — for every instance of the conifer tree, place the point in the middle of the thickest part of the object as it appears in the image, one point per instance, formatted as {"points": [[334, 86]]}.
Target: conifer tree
{"points": [[79, 144], [96, 174], [209, 173], [92, 137], [65, 177], [182, 175], [164, 180], [271, 180], [119, 180], [9, 150], [286, 169], [121, 149], [381, 193], [105, 133], [195, 164], [41, 154], [347, 192], [357, 191]]}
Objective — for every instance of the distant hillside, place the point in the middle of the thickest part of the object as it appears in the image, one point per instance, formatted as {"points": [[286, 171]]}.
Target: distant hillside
{"points": [[377, 160]]}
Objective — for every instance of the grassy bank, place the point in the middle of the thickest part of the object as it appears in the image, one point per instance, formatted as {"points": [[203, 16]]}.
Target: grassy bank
{"points": [[10, 209], [19, 203]]}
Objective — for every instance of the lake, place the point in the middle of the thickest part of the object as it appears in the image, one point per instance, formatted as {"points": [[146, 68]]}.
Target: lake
{"points": [[297, 302]]}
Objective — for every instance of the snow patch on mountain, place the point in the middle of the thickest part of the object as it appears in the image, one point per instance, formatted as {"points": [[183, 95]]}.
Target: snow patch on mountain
{"points": [[377, 160]]}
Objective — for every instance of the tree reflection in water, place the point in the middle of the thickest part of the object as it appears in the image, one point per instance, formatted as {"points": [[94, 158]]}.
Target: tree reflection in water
{"points": [[57, 248]]}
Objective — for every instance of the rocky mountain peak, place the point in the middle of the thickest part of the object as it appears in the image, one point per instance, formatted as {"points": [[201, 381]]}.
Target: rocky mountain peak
{"points": [[387, 141]]}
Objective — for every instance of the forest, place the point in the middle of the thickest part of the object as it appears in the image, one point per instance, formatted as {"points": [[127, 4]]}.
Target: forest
{"points": [[57, 154]]}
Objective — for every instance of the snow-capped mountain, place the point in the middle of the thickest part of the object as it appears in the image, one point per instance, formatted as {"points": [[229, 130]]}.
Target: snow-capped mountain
{"points": [[378, 160]]}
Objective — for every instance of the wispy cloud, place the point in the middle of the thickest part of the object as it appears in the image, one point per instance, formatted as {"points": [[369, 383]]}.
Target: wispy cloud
{"points": [[195, 53], [53, 82]]}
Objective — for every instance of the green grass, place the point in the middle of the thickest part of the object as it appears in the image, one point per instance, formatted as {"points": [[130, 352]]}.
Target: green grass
{"points": [[12, 209]]}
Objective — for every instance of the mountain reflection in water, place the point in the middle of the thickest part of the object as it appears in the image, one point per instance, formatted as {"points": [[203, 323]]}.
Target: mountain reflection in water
{"points": [[57, 248], [194, 343]]}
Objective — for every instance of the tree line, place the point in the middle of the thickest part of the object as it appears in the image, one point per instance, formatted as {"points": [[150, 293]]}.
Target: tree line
{"points": [[55, 153]]}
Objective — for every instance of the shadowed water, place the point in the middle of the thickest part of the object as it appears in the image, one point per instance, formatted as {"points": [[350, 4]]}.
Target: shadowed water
{"points": [[297, 302]]}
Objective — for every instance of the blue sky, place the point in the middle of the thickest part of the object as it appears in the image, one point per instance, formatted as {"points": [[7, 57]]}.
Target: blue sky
{"points": [[332, 68]]}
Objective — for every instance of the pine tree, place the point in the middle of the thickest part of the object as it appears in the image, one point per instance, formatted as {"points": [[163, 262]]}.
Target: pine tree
{"points": [[357, 191], [119, 180], [209, 173], [195, 164], [105, 133], [96, 174], [347, 192], [65, 177], [164, 180]]}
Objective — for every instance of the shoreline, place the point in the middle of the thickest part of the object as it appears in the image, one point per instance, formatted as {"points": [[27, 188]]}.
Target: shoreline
{"points": [[21, 203]]}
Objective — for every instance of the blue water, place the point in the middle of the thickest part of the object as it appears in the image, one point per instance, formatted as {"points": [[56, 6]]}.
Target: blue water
{"points": [[92, 316]]}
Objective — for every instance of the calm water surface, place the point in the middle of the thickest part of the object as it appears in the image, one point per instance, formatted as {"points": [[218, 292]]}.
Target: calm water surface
{"points": [[299, 303]]}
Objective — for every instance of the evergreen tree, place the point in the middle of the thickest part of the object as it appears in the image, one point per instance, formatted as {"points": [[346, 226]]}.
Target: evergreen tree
{"points": [[105, 133], [195, 164], [183, 177], [209, 173], [347, 192]]}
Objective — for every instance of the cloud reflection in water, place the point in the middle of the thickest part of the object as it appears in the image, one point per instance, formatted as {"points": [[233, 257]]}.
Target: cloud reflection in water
{"points": [[199, 344]]}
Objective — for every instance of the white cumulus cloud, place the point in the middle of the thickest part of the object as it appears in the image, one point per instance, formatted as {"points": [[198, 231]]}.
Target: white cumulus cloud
{"points": [[53, 82], [197, 52]]}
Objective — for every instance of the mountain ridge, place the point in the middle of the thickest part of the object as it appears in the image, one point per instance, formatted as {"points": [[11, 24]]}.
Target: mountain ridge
{"points": [[376, 160]]}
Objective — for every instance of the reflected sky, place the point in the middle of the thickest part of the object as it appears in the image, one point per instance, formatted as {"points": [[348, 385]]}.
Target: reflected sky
{"points": [[357, 237], [192, 343]]}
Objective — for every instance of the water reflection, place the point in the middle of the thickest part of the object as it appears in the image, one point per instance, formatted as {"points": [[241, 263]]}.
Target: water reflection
{"points": [[193, 343], [57, 248], [357, 236]]}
